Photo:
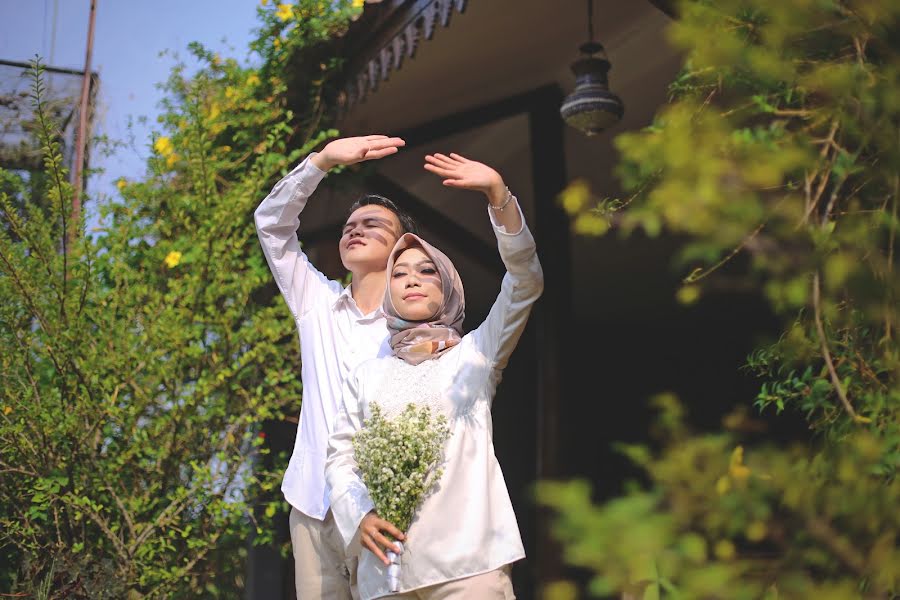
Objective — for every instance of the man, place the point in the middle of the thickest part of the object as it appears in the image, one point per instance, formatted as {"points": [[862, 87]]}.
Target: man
{"points": [[339, 328]]}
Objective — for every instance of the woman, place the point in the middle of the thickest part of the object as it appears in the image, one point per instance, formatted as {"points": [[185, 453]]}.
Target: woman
{"points": [[464, 537]]}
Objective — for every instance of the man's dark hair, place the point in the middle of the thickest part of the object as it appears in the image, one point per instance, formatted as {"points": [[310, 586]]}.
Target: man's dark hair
{"points": [[407, 223]]}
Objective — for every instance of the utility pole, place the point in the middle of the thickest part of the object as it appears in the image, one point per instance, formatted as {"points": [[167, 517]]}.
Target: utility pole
{"points": [[81, 141]]}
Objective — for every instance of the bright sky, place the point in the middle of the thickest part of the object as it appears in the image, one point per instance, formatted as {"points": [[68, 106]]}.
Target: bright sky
{"points": [[128, 38]]}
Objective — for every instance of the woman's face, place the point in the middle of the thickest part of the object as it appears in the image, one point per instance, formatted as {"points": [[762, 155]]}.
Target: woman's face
{"points": [[416, 290]]}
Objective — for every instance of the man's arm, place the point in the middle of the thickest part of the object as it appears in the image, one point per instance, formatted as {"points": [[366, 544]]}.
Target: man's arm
{"points": [[277, 217], [277, 220]]}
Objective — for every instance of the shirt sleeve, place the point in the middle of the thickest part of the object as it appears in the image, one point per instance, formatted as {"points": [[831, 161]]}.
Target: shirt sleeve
{"points": [[350, 500], [522, 285], [277, 220]]}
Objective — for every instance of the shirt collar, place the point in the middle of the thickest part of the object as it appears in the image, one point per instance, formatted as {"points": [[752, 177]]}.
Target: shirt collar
{"points": [[345, 300]]}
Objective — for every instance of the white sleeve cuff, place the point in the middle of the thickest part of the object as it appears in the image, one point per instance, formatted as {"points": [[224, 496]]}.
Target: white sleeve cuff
{"points": [[307, 175], [500, 229], [348, 511]]}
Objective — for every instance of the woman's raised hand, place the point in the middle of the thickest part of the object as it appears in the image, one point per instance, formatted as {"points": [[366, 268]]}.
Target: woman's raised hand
{"points": [[351, 150], [460, 172]]}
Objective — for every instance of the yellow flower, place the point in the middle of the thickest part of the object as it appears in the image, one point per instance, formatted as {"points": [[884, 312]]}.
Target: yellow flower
{"points": [[724, 550], [229, 92], [121, 183], [214, 111], [284, 12], [687, 294], [263, 2], [173, 258], [253, 79], [575, 196], [358, 3], [277, 43], [756, 531], [736, 466], [7, 410], [590, 224], [163, 146], [171, 160], [560, 590], [723, 485]]}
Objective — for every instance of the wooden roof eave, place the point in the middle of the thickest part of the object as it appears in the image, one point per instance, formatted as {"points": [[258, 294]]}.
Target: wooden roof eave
{"points": [[380, 41]]}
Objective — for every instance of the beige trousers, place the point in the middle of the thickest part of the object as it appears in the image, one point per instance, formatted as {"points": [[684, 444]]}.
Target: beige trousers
{"points": [[493, 585], [321, 570]]}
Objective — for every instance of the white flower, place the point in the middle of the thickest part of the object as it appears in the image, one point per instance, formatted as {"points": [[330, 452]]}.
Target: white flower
{"points": [[398, 459]]}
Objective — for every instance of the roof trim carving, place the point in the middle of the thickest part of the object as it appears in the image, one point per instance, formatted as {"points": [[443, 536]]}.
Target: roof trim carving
{"points": [[399, 28]]}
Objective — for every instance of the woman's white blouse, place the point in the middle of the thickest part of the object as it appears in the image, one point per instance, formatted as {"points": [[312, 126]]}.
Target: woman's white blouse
{"points": [[466, 525]]}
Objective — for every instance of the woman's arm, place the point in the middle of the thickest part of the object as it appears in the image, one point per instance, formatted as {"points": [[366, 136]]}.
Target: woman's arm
{"points": [[352, 507], [522, 285], [460, 172], [523, 282]]}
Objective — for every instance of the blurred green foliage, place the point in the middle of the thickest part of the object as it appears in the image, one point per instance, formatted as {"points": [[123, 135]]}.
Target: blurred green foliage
{"points": [[140, 363], [780, 144]]}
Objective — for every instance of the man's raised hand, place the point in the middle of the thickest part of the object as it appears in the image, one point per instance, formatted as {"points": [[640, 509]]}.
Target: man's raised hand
{"points": [[348, 151]]}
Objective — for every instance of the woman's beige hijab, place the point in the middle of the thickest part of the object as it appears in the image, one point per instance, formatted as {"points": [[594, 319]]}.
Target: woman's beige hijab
{"points": [[418, 341]]}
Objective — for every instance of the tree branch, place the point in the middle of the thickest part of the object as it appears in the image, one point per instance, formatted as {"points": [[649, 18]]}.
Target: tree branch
{"points": [[826, 354], [121, 550], [888, 318], [839, 546], [813, 201]]}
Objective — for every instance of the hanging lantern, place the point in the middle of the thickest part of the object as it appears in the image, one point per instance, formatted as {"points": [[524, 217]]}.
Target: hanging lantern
{"points": [[591, 107]]}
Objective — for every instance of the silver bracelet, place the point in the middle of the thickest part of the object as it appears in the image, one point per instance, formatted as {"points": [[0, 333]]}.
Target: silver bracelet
{"points": [[509, 197]]}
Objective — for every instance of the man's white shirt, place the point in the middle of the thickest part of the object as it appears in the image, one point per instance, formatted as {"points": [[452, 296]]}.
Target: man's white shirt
{"points": [[335, 336]]}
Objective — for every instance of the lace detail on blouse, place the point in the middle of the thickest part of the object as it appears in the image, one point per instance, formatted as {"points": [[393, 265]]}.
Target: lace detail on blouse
{"points": [[423, 384]]}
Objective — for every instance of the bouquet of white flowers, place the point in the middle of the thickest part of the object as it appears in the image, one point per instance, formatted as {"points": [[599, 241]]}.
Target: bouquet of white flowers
{"points": [[398, 459]]}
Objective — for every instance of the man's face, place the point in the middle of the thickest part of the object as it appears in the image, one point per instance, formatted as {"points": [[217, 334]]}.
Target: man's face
{"points": [[368, 237]]}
